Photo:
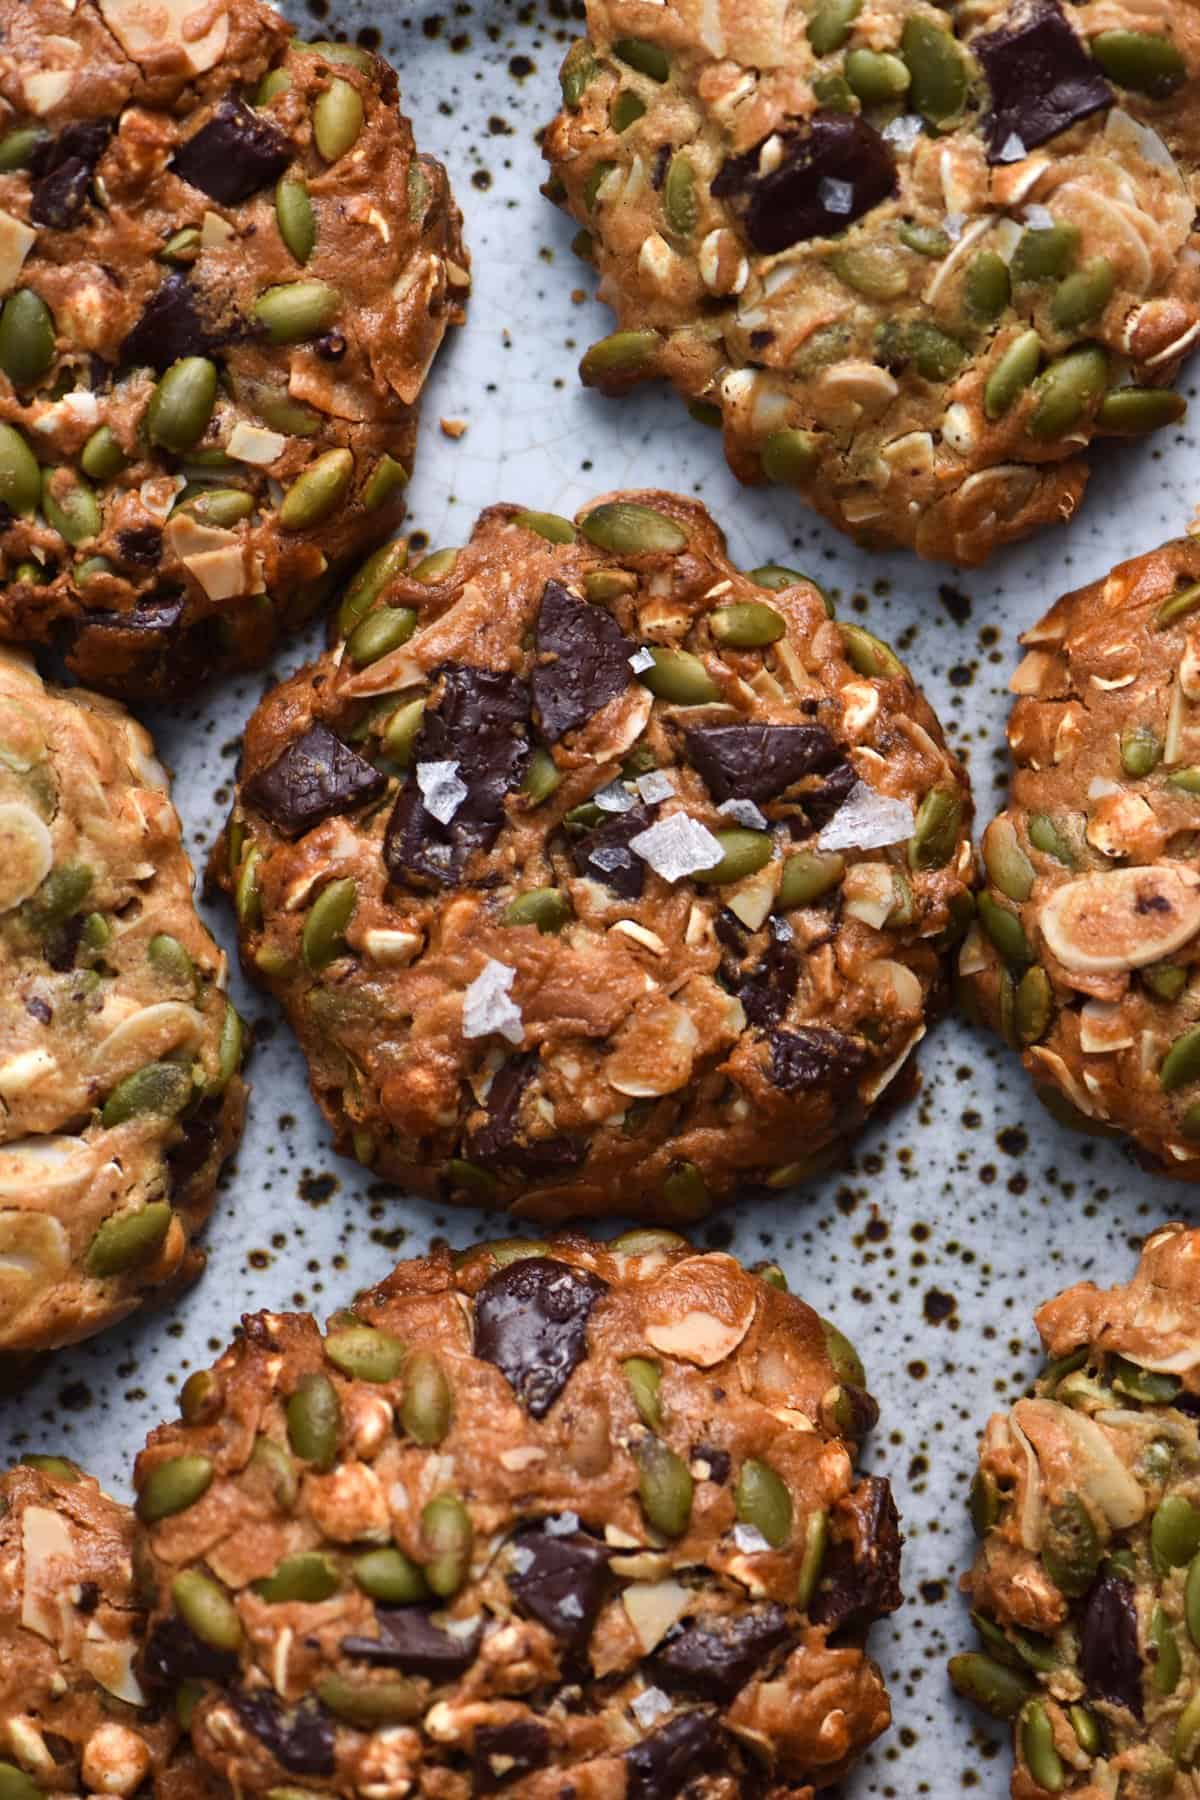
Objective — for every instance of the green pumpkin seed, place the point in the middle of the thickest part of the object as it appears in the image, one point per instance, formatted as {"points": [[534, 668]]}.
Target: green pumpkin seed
{"points": [[1181, 1065], [1013, 373], [591, 188], [400, 732], [308, 1576], [875, 270], [207, 1610], [629, 529], [627, 109], [542, 776], [679, 677], [988, 287], [275, 81], [579, 70], [26, 337], [1165, 980], [59, 1466], [934, 354], [171, 1487], [317, 491], [1145, 61], [647, 1240], [1166, 1665], [1045, 253], [664, 1487], [295, 217], [162, 1088], [679, 195], [365, 1353], [1037, 1749], [436, 567], [337, 120], [181, 405], [775, 577], [832, 91], [830, 25], [1178, 605], [645, 1385], [749, 625], [1006, 863], [1045, 835], [939, 72], [200, 1397], [1005, 932], [128, 1240], [1147, 1385], [510, 1250], [648, 59], [1186, 1741], [551, 526], [314, 1420], [371, 1703], [762, 1500], [1141, 750], [808, 876], [1191, 1601], [182, 247], [296, 310], [743, 853], [60, 896], [169, 958], [90, 568], [18, 148], [385, 479], [1033, 1006], [447, 1529], [102, 456], [323, 940], [622, 356], [983, 1503], [390, 1577], [1083, 296], [380, 633], [790, 457], [876, 77], [369, 582], [988, 1684], [1071, 1546], [935, 836], [816, 1540], [247, 892], [352, 54], [427, 1404], [869, 655], [926, 240], [685, 1194], [70, 506], [844, 1358], [1186, 780], [20, 476], [279, 1469], [1132, 411], [547, 907], [1066, 391], [1174, 1533]]}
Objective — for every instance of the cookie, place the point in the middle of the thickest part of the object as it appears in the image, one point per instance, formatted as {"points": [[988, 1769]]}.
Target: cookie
{"points": [[226, 271], [595, 876], [908, 258], [540, 1514], [120, 1095], [1086, 1581], [1087, 949]]}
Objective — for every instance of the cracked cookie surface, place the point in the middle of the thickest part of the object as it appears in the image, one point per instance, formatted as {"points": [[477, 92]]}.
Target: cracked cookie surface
{"points": [[594, 875], [226, 270], [540, 1513], [910, 259]]}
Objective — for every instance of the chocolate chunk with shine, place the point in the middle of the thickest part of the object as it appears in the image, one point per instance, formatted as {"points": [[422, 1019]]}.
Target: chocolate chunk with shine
{"points": [[480, 723], [315, 777], [235, 154], [170, 327], [141, 545], [822, 802], [174, 1653], [766, 990], [657, 1768], [790, 204], [1041, 77], [1111, 1661], [503, 1753], [409, 1640], [560, 1581], [617, 866], [301, 1738], [195, 1144], [531, 1322], [500, 1139], [162, 613], [717, 1658], [813, 1056], [582, 661], [861, 1577], [62, 173], [757, 762]]}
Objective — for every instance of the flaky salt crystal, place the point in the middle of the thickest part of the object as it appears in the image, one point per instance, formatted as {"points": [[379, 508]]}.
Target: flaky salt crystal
{"points": [[677, 846], [487, 1007], [867, 820], [953, 225], [749, 1538], [904, 131], [655, 786], [615, 798], [441, 789], [835, 196], [745, 813], [1038, 218], [641, 660], [649, 1705], [563, 1525], [1012, 149], [611, 856]]}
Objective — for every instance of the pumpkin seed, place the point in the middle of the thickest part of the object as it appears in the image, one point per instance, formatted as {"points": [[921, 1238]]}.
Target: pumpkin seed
{"points": [[1186, 780], [1000, 1691], [1067, 390], [832, 91], [627, 109], [988, 287], [1165, 980], [182, 247], [279, 1469], [365, 1353], [1033, 1006], [200, 1397], [877, 77], [647, 58], [1186, 1741], [1013, 373], [1145, 61], [1166, 1665], [385, 478], [933, 353], [743, 853], [1141, 750], [939, 74], [1005, 931], [645, 1385], [1048, 837], [169, 958], [1045, 253], [551, 526], [1191, 1601], [18, 148], [807, 876], [314, 1419], [390, 1577], [337, 120], [629, 529], [685, 1194], [323, 939], [1037, 1748], [90, 568], [171, 1487], [247, 892], [679, 195], [369, 582], [647, 1240], [510, 1250], [664, 1487], [1174, 1533], [20, 476], [275, 81], [1130, 411], [370, 1703], [1083, 296], [679, 677], [623, 355], [437, 566], [207, 1610], [816, 1540], [762, 1500], [1006, 863], [542, 776], [128, 1240], [775, 577], [295, 310], [830, 25], [1147, 1385], [1071, 1546], [869, 655], [59, 1466], [426, 1407], [926, 240], [546, 907], [790, 456], [102, 456], [749, 625], [875, 270], [26, 337], [983, 1503], [935, 836], [333, 52], [70, 506], [579, 70], [447, 1530], [162, 1088], [181, 405], [380, 633], [400, 732], [308, 1576], [1178, 605], [295, 217], [1181, 1064]]}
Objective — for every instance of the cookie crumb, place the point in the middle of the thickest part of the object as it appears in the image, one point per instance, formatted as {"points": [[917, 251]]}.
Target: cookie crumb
{"points": [[453, 428]]}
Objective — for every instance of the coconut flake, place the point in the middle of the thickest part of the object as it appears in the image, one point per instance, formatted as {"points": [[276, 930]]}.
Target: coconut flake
{"points": [[867, 820], [615, 798], [745, 813], [487, 1007], [1012, 149], [904, 131], [641, 660], [655, 786], [749, 1539], [648, 1706], [836, 196], [441, 789], [677, 846]]}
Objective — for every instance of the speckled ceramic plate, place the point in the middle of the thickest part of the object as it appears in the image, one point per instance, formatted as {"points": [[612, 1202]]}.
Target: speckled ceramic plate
{"points": [[960, 1214]]}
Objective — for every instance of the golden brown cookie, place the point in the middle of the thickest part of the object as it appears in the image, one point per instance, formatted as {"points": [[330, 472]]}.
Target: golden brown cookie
{"points": [[908, 258], [540, 1513], [226, 271], [595, 875]]}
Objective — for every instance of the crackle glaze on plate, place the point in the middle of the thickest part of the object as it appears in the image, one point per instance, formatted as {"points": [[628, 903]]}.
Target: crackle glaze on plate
{"points": [[959, 1214]]}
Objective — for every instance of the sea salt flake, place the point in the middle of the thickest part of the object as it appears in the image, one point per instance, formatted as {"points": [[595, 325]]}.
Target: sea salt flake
{"points": [[745, 812], [749, 1539], [835, 196], [867, 820], [904, 131], [487, 1007], [571, 1606], [655, 786], [611, 856], [615, 798], [1038, 218], [1012, 149], [677, 846], [953, 224], [441, 789], [522, 1559], [649, 1705], [563, 1526], [641, 660]]}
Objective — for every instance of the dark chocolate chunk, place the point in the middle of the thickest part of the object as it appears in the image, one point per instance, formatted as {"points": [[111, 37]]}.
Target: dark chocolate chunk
{"points": [[62, 943], [501, 1140], [1041, 76], [717, 1460], [582, 661], [822, 802], [480, 723], [235, 154], [861, 1577], [409, 1640], [141, 545], [501, 1753], [719, 1657], [174, 1653], [39, 1009], [604, 854], [863, 1410], [301, 1738], [196, 1142], [757, 762], [315, 777], [170, 327], [89, 1597], [813, 1056], [161, 613], [531, 1321], [560, 1581], [793, 201], [62, 169], [766, 990], [1111, 1661], [657, 1768]]}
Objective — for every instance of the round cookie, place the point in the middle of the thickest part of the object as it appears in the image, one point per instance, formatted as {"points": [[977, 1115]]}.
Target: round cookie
{"points": [[595, 876], [540, 1514], [1087, 950], [908, 258], [1087, 1501], [119, 1051], [226, 272]]}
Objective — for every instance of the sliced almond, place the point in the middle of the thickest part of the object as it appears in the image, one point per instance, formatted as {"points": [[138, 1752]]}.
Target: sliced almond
{"points": [[653, 1052], [48, 1553], [146, 28], [26, 854], [1122, 918], [16, 241], [653, 1607], [699, 1310]]}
